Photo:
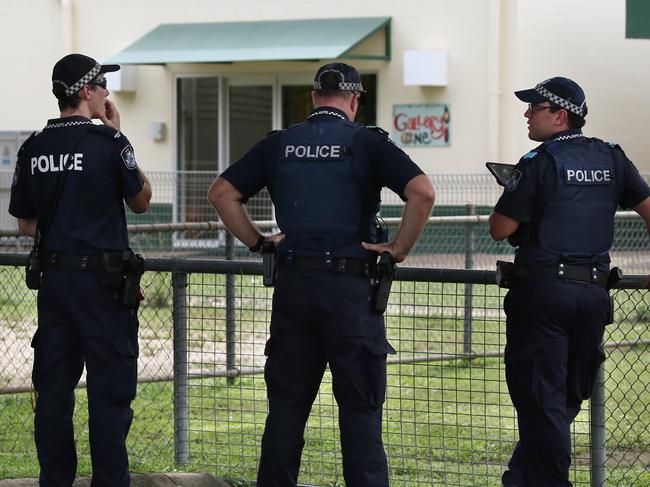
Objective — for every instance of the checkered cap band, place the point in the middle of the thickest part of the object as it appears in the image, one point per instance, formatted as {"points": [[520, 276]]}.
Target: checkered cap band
{"points": [[578, 110], [341, 86], [71, 90]]}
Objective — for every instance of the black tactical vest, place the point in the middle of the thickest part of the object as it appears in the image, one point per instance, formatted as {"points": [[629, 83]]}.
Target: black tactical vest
{"points": [[320, 202], [578, 221]]}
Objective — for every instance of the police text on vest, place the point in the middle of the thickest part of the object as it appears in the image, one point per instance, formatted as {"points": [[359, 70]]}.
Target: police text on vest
{"points": [[53, 163], [588, 176], [312, 151]]}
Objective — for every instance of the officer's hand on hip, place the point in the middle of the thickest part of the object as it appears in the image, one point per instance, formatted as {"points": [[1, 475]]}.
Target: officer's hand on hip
{"points": [[380, 248], [111, 116], [276, 238]]}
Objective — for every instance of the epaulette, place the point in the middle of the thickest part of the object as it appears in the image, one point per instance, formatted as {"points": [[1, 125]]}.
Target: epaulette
{"points": [[381, 131], [106, 131], [613, 145], [530, 155], [377, 129], [28, 141]]}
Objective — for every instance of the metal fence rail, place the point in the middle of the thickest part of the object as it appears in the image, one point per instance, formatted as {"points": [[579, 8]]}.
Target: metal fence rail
{"points": [[201, 401], [181, 198]]}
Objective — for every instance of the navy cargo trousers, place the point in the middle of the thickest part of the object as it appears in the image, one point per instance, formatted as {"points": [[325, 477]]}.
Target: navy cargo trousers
{"points": [[322, 318], [554, 334], [80, 322]]}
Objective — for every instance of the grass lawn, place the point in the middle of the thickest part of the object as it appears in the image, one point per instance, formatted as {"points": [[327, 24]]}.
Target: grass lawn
{"points": [[448, 420]]}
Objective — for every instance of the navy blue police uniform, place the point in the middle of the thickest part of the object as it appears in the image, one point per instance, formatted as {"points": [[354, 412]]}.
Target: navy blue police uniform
{"points": [[80, 321], [324, 177], [565, 193]]}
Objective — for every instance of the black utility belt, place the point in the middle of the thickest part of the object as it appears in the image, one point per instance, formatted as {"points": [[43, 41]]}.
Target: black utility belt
{"points": [[338, 265], [85, 262], [589, 274], [119, 271], [580, 273]]}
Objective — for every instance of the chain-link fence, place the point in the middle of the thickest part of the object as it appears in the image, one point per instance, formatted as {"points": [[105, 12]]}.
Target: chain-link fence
{"points": [[181, 197], [448, 419]]}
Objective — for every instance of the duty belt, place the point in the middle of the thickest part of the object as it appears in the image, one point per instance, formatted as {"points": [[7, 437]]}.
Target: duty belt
{"points": [[572, 272], [90, 262], [340, 265]]}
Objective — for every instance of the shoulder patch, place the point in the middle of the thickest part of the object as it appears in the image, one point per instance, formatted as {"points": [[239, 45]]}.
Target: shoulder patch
{"points": [[513, 181], [530, 155], [128, 156]]}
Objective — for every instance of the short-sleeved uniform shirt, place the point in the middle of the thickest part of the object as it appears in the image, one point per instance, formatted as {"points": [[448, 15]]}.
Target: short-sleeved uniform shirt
{"points": [[386, 164], [89, 217], [533, 184]]}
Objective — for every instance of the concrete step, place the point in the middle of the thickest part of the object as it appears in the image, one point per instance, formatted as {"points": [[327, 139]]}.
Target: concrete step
{"points": [[140, 480]]}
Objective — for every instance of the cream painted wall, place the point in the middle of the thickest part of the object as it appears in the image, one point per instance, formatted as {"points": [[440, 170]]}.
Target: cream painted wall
{"points": [[495, 47], [583, 40]]}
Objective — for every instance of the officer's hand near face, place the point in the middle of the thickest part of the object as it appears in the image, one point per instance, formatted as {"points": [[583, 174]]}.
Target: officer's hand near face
{"points": [[111, 116]]}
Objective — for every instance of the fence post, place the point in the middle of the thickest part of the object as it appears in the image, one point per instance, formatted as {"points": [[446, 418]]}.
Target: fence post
{"points": [[181, 396], [230, 311], [469, 264], [597, 425]]}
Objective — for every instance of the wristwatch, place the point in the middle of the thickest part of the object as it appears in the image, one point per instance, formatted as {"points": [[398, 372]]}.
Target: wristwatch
{"points": [[258, 244]]}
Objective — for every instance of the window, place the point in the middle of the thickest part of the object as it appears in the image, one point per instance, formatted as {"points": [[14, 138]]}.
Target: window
{"points": [[220, 118], [296, 102], [198, 146]]}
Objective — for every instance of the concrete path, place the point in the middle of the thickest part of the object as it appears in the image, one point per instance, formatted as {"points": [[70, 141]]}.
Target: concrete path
{"points": [[140, 480]]}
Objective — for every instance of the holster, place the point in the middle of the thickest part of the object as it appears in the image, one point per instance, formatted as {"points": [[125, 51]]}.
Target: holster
{"points": [[383, 280], [615, 275], [129, 286], [505, 273], [33, 269], [269, 263]]}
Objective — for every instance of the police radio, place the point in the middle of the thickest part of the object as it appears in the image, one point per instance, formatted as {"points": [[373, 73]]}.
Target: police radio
{"points": [[33, 269]]}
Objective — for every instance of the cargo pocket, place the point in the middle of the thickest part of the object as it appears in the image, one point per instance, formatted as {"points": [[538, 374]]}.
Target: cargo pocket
{"points": [[378, 349], [590, 371], [267, 347], [124, 380], [522, 376], [36, 369]]}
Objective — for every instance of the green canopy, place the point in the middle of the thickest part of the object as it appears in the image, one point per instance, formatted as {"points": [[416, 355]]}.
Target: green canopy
{"points": [[264, 40]]}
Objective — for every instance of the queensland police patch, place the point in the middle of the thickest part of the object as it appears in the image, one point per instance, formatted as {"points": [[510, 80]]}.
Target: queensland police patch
{"points": [[513, 181], [128, 156]]}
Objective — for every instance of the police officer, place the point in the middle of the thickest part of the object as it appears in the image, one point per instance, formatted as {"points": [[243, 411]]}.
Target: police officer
{"points": [[325, 177], [70, 184], [558, 209]]}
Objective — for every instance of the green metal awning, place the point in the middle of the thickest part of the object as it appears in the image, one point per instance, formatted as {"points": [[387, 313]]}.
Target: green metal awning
{"points": [[278, 40]]}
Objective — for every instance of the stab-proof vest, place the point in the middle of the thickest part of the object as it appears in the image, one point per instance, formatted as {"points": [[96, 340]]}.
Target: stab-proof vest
{"points": [[579, 218], [320, 202]]}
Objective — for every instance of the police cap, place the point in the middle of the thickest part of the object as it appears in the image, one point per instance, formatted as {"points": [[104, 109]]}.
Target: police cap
{"points": [[564, 92], [338, 77], [74, 71]]}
